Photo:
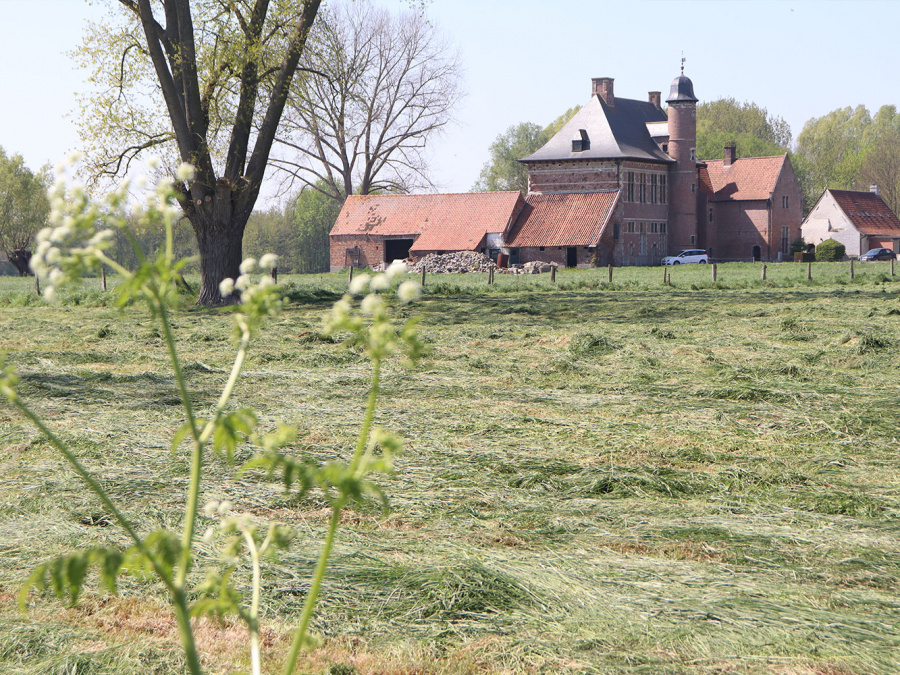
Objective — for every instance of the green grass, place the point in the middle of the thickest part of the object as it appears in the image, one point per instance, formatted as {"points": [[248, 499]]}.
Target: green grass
{"points": [[597, 479]]}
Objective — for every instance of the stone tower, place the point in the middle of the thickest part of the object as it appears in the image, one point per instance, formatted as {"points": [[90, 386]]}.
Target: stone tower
{"points": [[683, 186]]}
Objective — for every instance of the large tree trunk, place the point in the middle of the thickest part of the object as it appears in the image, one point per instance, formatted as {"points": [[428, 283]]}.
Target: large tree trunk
{"points": [[20, 257], [219, 229]]}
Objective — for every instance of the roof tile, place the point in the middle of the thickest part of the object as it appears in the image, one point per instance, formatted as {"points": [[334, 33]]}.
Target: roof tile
{"points": [[443, 222], [746, 178], [563, 219], [868, 212]]}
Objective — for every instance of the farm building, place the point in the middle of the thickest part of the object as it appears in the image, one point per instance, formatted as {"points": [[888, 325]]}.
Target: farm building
{"points": [[619, 183], [750, 207], [858, 220]]}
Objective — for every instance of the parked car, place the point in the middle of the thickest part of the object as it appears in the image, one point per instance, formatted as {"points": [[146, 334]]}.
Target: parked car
{"points": [[878, 254], [689, 256]]}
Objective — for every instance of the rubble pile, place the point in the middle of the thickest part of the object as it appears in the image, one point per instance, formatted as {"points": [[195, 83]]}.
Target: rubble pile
{"points": [[452, 263]]}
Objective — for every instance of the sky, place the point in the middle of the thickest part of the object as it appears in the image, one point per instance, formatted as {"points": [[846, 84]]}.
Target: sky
{"points": [[530, 60]]}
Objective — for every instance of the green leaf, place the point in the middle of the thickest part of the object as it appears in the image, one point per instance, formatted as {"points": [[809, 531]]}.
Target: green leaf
{"points": [[66, 574], [232, 428]]}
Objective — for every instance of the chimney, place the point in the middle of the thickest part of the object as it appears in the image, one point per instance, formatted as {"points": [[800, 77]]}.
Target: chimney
{"points": [[655, 98], [730, 154], [874, 190], [603, 87]]}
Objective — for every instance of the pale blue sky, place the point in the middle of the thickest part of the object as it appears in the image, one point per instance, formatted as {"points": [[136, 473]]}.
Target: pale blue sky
{"points": [[529, 60]]}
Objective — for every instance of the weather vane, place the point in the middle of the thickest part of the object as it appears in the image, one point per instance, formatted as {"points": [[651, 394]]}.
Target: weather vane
{"points": [[682, 63]]}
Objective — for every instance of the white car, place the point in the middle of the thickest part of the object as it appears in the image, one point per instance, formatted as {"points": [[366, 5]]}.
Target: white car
{"points": [[692, 255]]}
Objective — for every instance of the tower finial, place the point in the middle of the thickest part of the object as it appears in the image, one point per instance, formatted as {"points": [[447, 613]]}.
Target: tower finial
{"points": [[682, 62]]}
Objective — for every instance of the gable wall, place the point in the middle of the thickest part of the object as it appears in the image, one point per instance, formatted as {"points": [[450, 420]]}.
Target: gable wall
{"points": [[815, 227], [574, 176], [739, 226]]}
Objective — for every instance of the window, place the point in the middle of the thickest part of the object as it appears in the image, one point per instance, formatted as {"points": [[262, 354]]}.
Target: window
{"points": [[785, 239], [653, 248], [692, 239], [662, 228], [693, 188], [642, 228], [540, 248], [784, 202], [643, 188], [665, 147], [629, 227], [629, 187], [662, 190], [693, 154], [653, 227], [710, 215], [653, 188], [615, 230]]}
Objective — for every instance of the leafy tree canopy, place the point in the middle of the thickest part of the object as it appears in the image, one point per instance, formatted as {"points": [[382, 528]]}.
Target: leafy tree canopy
{"points": [[504, 171], [751, 128], [23, 208]]}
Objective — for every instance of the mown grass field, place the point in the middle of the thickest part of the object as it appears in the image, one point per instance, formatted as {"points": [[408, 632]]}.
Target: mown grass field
{"points": [[633, 478]]}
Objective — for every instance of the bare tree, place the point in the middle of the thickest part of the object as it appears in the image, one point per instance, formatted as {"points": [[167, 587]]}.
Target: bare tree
{"points": [[23, 209], [378, 87], [207, 79]]}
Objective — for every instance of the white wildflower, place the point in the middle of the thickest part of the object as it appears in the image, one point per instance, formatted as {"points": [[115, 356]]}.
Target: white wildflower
{"points": [[359, 284], [224, 507], [380, 282], [248, 265], [409, 291], [371, 305], [396, 269], [265, 282], [226, 287], [74, 157], [56, 276], [50, 294], [242, 283], [268, 261], [209, 510], [185, 172], [209, 534]]}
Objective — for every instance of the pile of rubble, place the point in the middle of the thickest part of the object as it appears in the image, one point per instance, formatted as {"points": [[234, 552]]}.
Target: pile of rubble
{"points": [[452, 263]]}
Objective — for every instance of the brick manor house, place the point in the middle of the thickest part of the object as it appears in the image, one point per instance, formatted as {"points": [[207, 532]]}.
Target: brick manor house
{"points": [[619, 184]]}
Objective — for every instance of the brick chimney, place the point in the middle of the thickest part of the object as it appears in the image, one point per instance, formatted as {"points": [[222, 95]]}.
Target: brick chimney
{"points": [[874, 190], [730, 154], [655, 97], [603, 87]]}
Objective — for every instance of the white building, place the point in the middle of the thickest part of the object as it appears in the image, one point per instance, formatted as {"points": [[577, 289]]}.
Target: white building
{"points": [[858, 220]]}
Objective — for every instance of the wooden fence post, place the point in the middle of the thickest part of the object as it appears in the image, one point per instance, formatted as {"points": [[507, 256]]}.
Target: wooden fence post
{"points": [[275, 274], [102, 277], [609, 273], [715, 272], [809, 271], [764, 272], [892, 266], [665, 275], [851, 270], [350, 280], [423, 275], [553, 274], [37, 284]]}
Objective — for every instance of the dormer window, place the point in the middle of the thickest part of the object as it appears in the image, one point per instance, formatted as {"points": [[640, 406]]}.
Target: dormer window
{"points": [[583, 143]]}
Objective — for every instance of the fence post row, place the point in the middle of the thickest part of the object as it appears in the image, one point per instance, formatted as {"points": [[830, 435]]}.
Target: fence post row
{"points": [[763, 277], [715, 272], [809, 271]]}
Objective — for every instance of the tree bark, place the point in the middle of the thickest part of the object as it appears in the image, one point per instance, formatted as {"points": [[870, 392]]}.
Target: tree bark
{"points": [[20, 258]]}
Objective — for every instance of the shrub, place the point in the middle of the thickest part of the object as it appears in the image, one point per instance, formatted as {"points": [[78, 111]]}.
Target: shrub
{"points": [[829, 251], [798, 245]]}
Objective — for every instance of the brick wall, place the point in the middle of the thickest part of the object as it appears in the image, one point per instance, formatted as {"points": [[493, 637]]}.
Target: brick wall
{"points": [[790, 216], [738, 227], [574, 176], [557, 254], [371, 250]]}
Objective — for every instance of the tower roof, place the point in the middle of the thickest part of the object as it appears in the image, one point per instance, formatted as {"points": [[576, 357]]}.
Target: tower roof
{"points": [[682, 90]]}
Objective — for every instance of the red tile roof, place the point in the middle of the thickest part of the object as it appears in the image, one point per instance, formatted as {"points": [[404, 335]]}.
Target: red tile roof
{"points": [[567, 219], [746, 178], [443, 222], [868, 212]]}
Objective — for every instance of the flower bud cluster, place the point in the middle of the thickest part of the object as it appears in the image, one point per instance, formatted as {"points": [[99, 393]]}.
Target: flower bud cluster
{"points": [[258, 299]]}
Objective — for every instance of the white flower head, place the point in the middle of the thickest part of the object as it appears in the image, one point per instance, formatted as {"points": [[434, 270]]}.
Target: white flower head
{"points": [[359, 284], [265, 282], [224, 507], [248, 265], [371, 304], [50, 294], [380, 282], [242, 283], [154, 162], [209, 510], [396, 269], [74, 157], [185, 172], [226, 287], [409, 291], [268, 261]]}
